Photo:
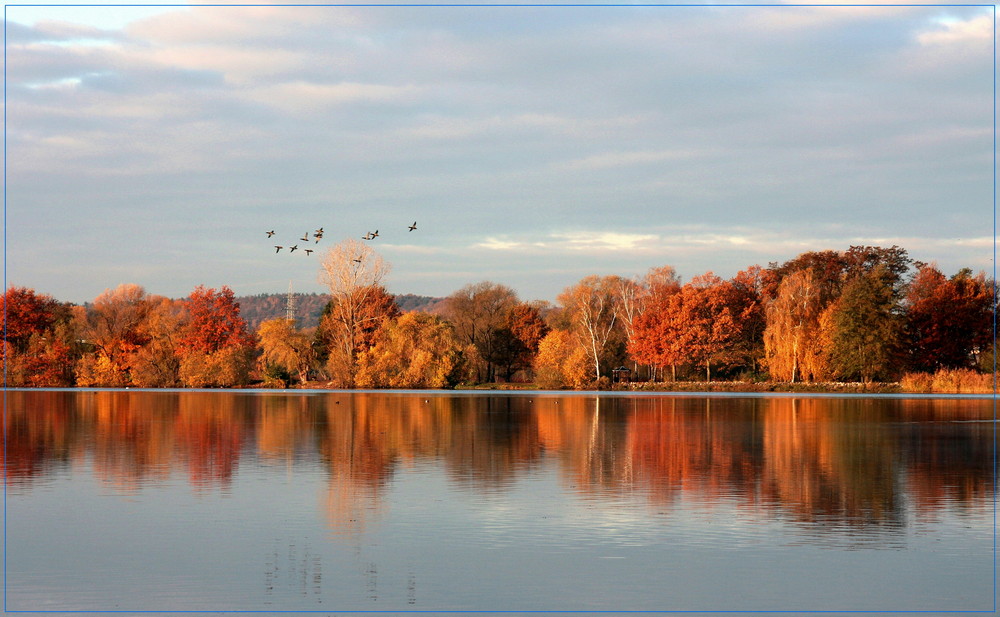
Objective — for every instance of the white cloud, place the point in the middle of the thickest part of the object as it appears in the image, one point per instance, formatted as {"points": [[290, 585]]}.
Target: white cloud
{"points": [[302, 96], [238, 65], [978, 29], [603, 240]]}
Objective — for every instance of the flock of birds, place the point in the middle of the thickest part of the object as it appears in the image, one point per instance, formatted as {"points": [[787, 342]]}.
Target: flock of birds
{"points": [[317, 235]]}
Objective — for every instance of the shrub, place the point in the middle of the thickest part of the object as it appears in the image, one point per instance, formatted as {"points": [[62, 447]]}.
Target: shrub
{"points": [[958, 381]]}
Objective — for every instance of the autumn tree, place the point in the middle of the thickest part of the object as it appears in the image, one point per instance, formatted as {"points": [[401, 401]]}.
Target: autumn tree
{"points": [[949, 321], [284, 346], [373, 307], [480, 314], [707, 328], [561, 361], [415, 350], [157, 363], [527, 329], [792, 335], [654, 338], [27, 313], [747, 300], [593, 306], [38, 340], [112, 328], [215, 346], [353, 272], [826, 274]]}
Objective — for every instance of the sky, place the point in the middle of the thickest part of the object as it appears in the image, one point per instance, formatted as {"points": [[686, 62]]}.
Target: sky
{"points": [[532, 145]]}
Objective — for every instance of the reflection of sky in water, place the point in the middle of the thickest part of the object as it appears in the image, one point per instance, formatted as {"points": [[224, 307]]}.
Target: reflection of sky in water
{"points": [[386, 504]]}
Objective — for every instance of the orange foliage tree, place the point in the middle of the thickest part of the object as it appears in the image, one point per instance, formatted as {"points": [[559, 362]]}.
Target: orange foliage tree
{"points": [[215, 348], [157, 363], [655, 330], [707, 328], [112, 328]]}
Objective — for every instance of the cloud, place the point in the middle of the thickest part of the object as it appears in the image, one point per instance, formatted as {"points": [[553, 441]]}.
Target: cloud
{"points": [[580, 138], [978, 29], [302, 96]]}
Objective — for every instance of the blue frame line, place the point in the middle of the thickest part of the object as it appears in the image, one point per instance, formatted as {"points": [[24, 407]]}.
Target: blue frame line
{"points": [[496, 612], [994, 308], [508, 5], [993, 610], [4, 415]]}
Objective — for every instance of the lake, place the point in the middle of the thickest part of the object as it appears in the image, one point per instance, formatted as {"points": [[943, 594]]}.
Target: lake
{"points": [[523, 501]]}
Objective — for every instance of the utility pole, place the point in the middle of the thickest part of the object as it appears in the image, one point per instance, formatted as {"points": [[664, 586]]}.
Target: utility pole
{"points": [[290, 304]]}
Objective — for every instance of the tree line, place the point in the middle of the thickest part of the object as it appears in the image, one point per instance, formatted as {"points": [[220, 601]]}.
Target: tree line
{"points": [[864, 314]]}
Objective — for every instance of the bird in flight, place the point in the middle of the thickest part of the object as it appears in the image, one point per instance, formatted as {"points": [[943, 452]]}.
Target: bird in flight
{"points": [[277, 248], [357, 261], [291, 249], [270, 233], [305, 237], [308, 251], [413, 226]]}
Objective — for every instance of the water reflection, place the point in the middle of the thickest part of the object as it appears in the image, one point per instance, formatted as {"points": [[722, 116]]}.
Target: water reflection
{"points": [[828, 464]]}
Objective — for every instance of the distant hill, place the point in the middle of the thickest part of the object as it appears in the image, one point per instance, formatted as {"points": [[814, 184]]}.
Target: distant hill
{"points": [[308, 307], [425, 304]]}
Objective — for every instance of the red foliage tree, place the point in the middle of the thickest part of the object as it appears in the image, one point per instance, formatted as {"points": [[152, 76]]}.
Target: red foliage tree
{"points": [[949, 321], [655, 331], [707, 326], [26, 313], [214, 322]]}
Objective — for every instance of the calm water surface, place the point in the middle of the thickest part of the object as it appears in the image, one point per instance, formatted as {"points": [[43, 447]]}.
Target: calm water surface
{"points": [[431, 501]]}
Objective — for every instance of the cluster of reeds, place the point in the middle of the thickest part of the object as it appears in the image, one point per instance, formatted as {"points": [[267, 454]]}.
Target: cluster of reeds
{"points": [[960, 381]]}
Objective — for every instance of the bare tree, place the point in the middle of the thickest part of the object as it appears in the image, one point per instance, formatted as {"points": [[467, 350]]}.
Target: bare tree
{"points": [[594, 305], [353, 272]]}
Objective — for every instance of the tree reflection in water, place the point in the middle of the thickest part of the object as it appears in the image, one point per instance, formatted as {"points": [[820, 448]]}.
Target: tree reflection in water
{"points": [[827, 463]]}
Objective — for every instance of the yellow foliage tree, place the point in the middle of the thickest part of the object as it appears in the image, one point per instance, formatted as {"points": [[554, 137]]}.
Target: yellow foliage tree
{"points": [[416, 350], [561, 362], [282, 345], [793, 338], [226, 367]]}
